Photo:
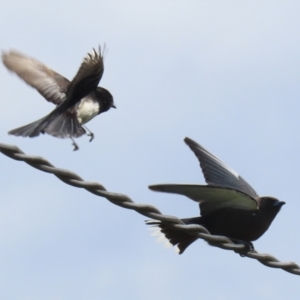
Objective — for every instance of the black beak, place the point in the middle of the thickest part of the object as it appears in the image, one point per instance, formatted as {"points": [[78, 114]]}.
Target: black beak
{"points": [[279, 203]]}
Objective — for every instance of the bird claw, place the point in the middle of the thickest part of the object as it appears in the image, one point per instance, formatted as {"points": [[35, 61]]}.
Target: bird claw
{"points": [[75, 146], [91, 135], [248, 247]]}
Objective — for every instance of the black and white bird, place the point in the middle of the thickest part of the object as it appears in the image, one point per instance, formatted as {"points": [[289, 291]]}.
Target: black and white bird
{"points": [[229, 206], [78, 101]]}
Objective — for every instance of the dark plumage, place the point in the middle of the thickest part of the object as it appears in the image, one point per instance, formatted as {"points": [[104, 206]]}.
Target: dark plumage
{"points": [[77, 101], [229, 206]]}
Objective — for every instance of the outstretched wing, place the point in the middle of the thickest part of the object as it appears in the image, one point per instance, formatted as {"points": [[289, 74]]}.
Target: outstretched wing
{"points": [[218, 173], [210, 198], [51, 85], [87, 78]]}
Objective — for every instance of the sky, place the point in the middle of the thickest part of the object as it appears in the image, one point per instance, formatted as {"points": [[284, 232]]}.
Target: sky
{"points": [[223, 73]]}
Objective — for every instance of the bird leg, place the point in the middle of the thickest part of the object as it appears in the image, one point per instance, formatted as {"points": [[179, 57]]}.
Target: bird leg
{"points": [[74, 144], [89, 133]]}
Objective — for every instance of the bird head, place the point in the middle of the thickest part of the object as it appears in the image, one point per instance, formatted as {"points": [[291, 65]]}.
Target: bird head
{"points": [[106, 99], [270, 204]]}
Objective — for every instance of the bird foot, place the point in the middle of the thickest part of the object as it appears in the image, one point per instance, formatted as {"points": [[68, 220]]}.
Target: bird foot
{"points": [[248, 247], [75, 146], [91, 135]]}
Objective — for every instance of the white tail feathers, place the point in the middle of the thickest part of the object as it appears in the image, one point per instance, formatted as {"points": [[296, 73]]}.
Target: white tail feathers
{"points": [[156, 231]]}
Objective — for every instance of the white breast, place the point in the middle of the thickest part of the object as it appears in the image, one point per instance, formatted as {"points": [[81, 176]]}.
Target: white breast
{"points": [[87, 110]]}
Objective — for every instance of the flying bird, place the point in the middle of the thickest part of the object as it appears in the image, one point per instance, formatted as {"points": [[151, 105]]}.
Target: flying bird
{"points": [[78, 101], [229, 206]]}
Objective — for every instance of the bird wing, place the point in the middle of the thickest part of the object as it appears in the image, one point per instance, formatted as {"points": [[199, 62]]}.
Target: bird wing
{"points": [[51, 85], [210, 198], [218, 173], [88, 76]]}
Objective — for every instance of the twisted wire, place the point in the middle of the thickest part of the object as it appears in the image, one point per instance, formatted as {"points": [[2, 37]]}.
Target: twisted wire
{"points": [[147, 210]]}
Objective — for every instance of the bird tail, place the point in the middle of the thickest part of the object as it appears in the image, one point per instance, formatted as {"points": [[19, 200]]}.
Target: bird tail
{"points": [[27, 130], [64, 125], [175, 237]]}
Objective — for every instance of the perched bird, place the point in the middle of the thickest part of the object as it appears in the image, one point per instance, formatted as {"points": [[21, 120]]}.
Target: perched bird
{"points": [[229, 206], [77, 101]]}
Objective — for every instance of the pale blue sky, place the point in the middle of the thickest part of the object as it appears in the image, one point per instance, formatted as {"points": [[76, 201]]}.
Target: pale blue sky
{"points": [[224, 73]]}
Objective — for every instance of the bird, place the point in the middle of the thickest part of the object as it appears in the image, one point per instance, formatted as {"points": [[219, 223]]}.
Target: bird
{"points": [[229, 206], [77, 101]]}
